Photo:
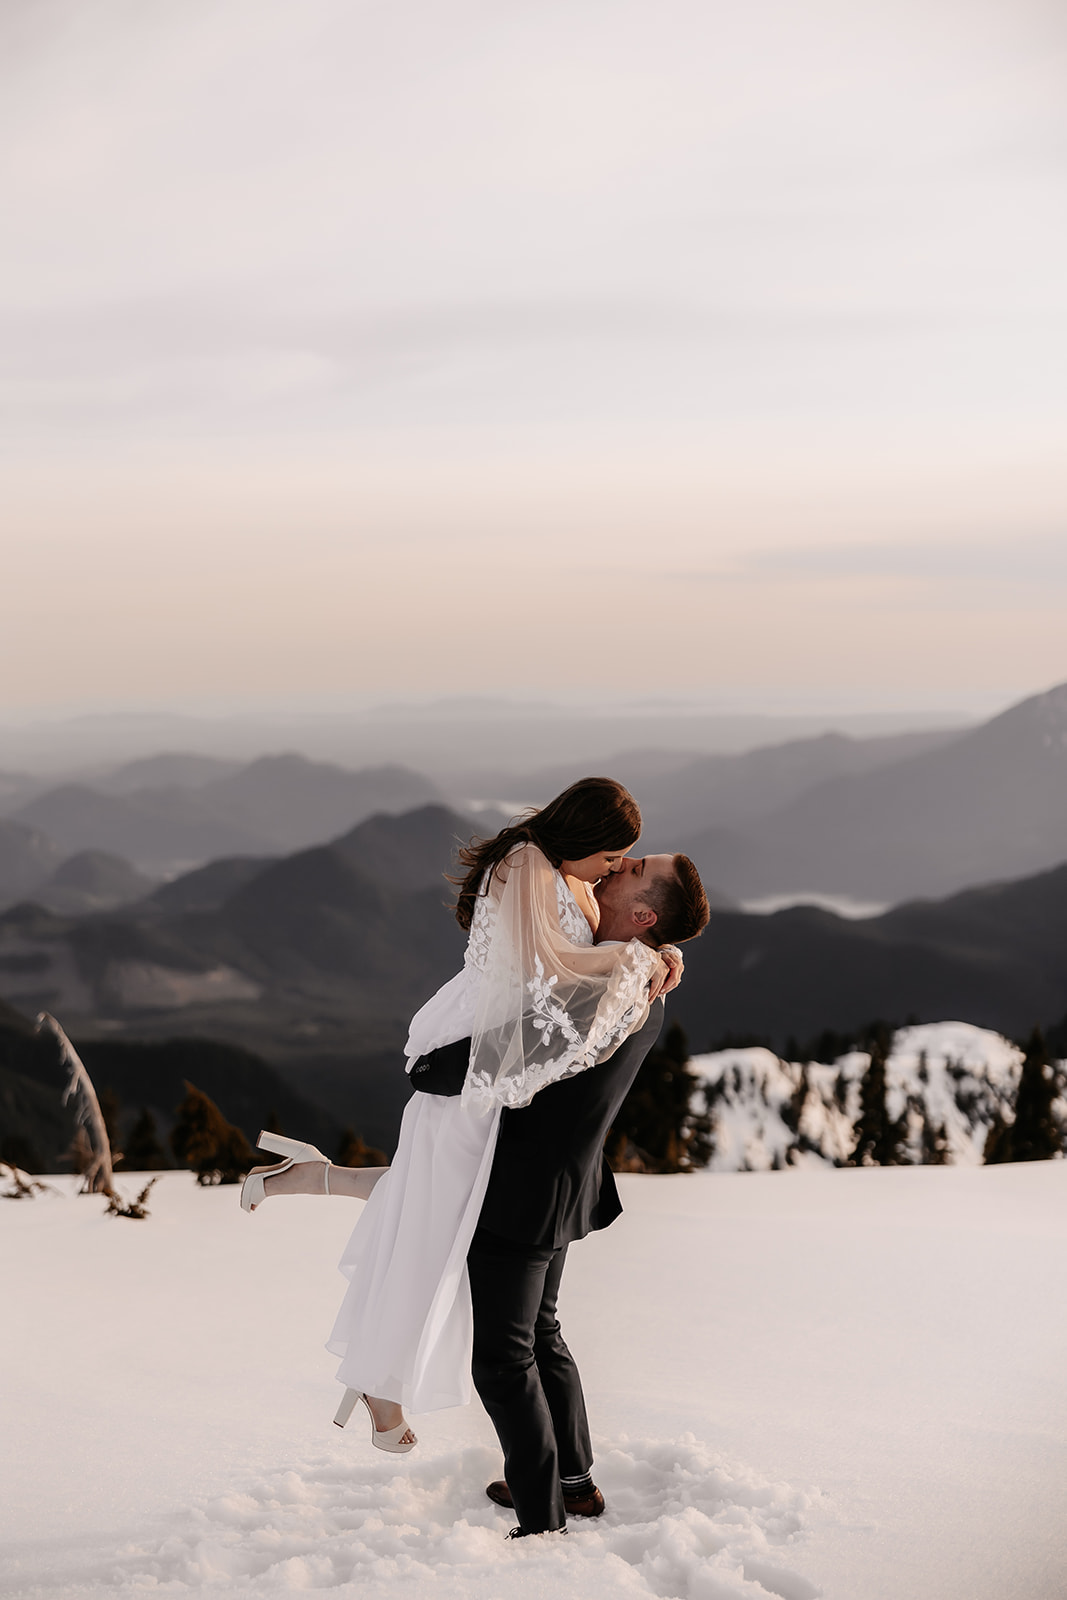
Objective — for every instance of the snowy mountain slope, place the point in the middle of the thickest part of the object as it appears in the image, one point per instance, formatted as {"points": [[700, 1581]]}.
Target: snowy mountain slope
{"points": [[949, 1079]]}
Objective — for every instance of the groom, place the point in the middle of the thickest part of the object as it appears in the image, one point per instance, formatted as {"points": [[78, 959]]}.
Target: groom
{"points": [[550, 1184]]}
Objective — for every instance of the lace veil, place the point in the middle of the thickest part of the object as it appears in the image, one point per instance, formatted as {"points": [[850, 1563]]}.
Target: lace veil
{"points": [[547, 1008]]}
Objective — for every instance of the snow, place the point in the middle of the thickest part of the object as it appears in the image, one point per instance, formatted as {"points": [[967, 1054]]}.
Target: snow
{"points": [[805, 1382], [952, 1075], [842, 905]]}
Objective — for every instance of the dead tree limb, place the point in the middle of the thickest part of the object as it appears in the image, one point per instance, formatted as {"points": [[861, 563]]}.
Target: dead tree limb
{"points": [[98, 1174], [24, 1187]]}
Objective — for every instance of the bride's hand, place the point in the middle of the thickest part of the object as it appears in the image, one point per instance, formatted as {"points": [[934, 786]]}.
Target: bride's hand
{"points": [[672, 958], [668, 973]]}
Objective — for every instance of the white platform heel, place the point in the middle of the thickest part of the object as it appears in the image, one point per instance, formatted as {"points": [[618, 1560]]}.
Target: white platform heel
{"points": [[278, 1145], [253, 1191], [382, 1438]]}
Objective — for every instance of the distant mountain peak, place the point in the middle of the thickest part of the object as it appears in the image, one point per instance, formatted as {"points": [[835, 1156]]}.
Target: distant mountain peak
{"points": [[1048, 709]]}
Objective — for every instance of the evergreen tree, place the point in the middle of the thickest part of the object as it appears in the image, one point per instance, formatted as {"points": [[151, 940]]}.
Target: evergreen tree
{"points": [[352, 1152], [144, 1152], [877, 1139], [997, 1141], [1034, 1135], [934, 1146], [203, 1140], [793, 1108], [656, 1129]]}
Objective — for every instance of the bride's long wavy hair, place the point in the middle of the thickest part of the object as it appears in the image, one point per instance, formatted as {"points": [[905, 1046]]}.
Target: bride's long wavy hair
{"points": [[593, 814]]}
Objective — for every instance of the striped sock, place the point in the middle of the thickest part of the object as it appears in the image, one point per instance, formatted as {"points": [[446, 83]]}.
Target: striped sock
{"points": [[579, 1485]]}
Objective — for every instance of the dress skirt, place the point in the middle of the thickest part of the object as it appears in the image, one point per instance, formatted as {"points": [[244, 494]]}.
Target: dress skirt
{"points": [[404, 1330]]}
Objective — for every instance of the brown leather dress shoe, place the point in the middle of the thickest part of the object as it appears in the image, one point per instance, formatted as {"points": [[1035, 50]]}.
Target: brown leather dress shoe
{"points": [[587, 1503]]}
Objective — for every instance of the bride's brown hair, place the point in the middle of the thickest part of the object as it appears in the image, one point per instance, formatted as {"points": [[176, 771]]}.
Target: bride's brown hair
{"points": [[593, 814]]}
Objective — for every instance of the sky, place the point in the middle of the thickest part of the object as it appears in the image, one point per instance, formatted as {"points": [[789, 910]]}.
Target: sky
{"points": [[364, 348]]}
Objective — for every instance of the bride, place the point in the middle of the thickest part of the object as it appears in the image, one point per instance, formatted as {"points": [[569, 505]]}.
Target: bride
{"points": [[538, 1002]]}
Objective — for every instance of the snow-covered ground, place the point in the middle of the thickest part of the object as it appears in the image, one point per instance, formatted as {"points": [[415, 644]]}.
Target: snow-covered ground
{"points": [[838, 1382], [949, 1078]]}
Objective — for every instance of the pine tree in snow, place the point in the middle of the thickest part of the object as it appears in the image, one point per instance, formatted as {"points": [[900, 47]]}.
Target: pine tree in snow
{"points": [[934, 1148], [997, 1141], [657, 1129], [144, 1152], [1034, 1134], [203, 1140], [877, 1139]]}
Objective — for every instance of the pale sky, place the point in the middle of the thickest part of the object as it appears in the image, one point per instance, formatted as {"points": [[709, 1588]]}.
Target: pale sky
{"points": [[374, 346]]}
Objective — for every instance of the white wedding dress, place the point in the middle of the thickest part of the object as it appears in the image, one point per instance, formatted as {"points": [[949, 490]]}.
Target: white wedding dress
{"points": [[404, 1330]]}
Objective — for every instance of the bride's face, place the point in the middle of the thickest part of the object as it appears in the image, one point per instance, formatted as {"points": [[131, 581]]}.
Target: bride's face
{"points": [[590, 869]]}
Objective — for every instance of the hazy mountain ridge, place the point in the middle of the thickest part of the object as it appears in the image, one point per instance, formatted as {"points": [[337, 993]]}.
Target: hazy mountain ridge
{"points": [[449, 738], [757, 783], [273, 805], [322, 956], [276, 803], [877, 819], [988, 804], [316, 959], [28, 858], [308, 960], [996, 955]]}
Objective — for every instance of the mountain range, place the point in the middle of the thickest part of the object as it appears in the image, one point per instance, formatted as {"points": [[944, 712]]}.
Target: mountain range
{"points": [[276, 803], [173, 812], [316, 961], [985, 804], [877, 819]]}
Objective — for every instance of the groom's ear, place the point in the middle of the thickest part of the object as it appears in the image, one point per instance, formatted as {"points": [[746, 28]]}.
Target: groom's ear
{"points": [[644, 917]]}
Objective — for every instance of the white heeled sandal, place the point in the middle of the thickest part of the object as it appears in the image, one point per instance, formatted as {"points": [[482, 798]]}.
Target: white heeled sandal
{"points": [[253, 1192], [382, 1438]]}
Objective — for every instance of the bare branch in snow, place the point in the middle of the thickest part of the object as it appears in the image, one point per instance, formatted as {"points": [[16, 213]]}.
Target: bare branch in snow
{"points": [[98, 1174], [117, 1207], [24, 1187]]}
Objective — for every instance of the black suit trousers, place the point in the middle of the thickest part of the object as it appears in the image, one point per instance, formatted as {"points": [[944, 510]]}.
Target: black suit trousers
{"points": [[525, 1375]]}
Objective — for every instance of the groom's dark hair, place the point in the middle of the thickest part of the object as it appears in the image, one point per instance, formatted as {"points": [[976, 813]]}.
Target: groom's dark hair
{"points": [[593, 814], [680, 904]]}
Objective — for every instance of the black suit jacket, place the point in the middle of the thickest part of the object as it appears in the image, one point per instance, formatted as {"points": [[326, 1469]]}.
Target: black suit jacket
{"points": [[550, 1183]]}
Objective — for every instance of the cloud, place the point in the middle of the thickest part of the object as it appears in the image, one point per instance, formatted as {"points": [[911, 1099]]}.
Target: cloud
{"points": [[552, 286], [1011, 560]]}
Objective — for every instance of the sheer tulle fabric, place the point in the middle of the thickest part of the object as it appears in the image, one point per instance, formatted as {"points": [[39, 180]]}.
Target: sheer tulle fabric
{"points": [[546, 1008]]}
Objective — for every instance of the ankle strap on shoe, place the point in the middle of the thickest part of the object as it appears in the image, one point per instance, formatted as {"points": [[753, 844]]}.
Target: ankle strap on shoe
{"points": [[326, 1178]]}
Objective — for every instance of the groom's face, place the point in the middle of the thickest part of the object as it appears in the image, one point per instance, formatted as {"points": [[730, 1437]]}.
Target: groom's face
{"points": [[624, 909]]}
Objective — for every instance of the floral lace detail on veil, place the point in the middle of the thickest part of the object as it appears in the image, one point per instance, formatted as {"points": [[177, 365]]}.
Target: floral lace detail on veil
{"points": [[576, 1052], [572, 922], [549, 1005]]}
